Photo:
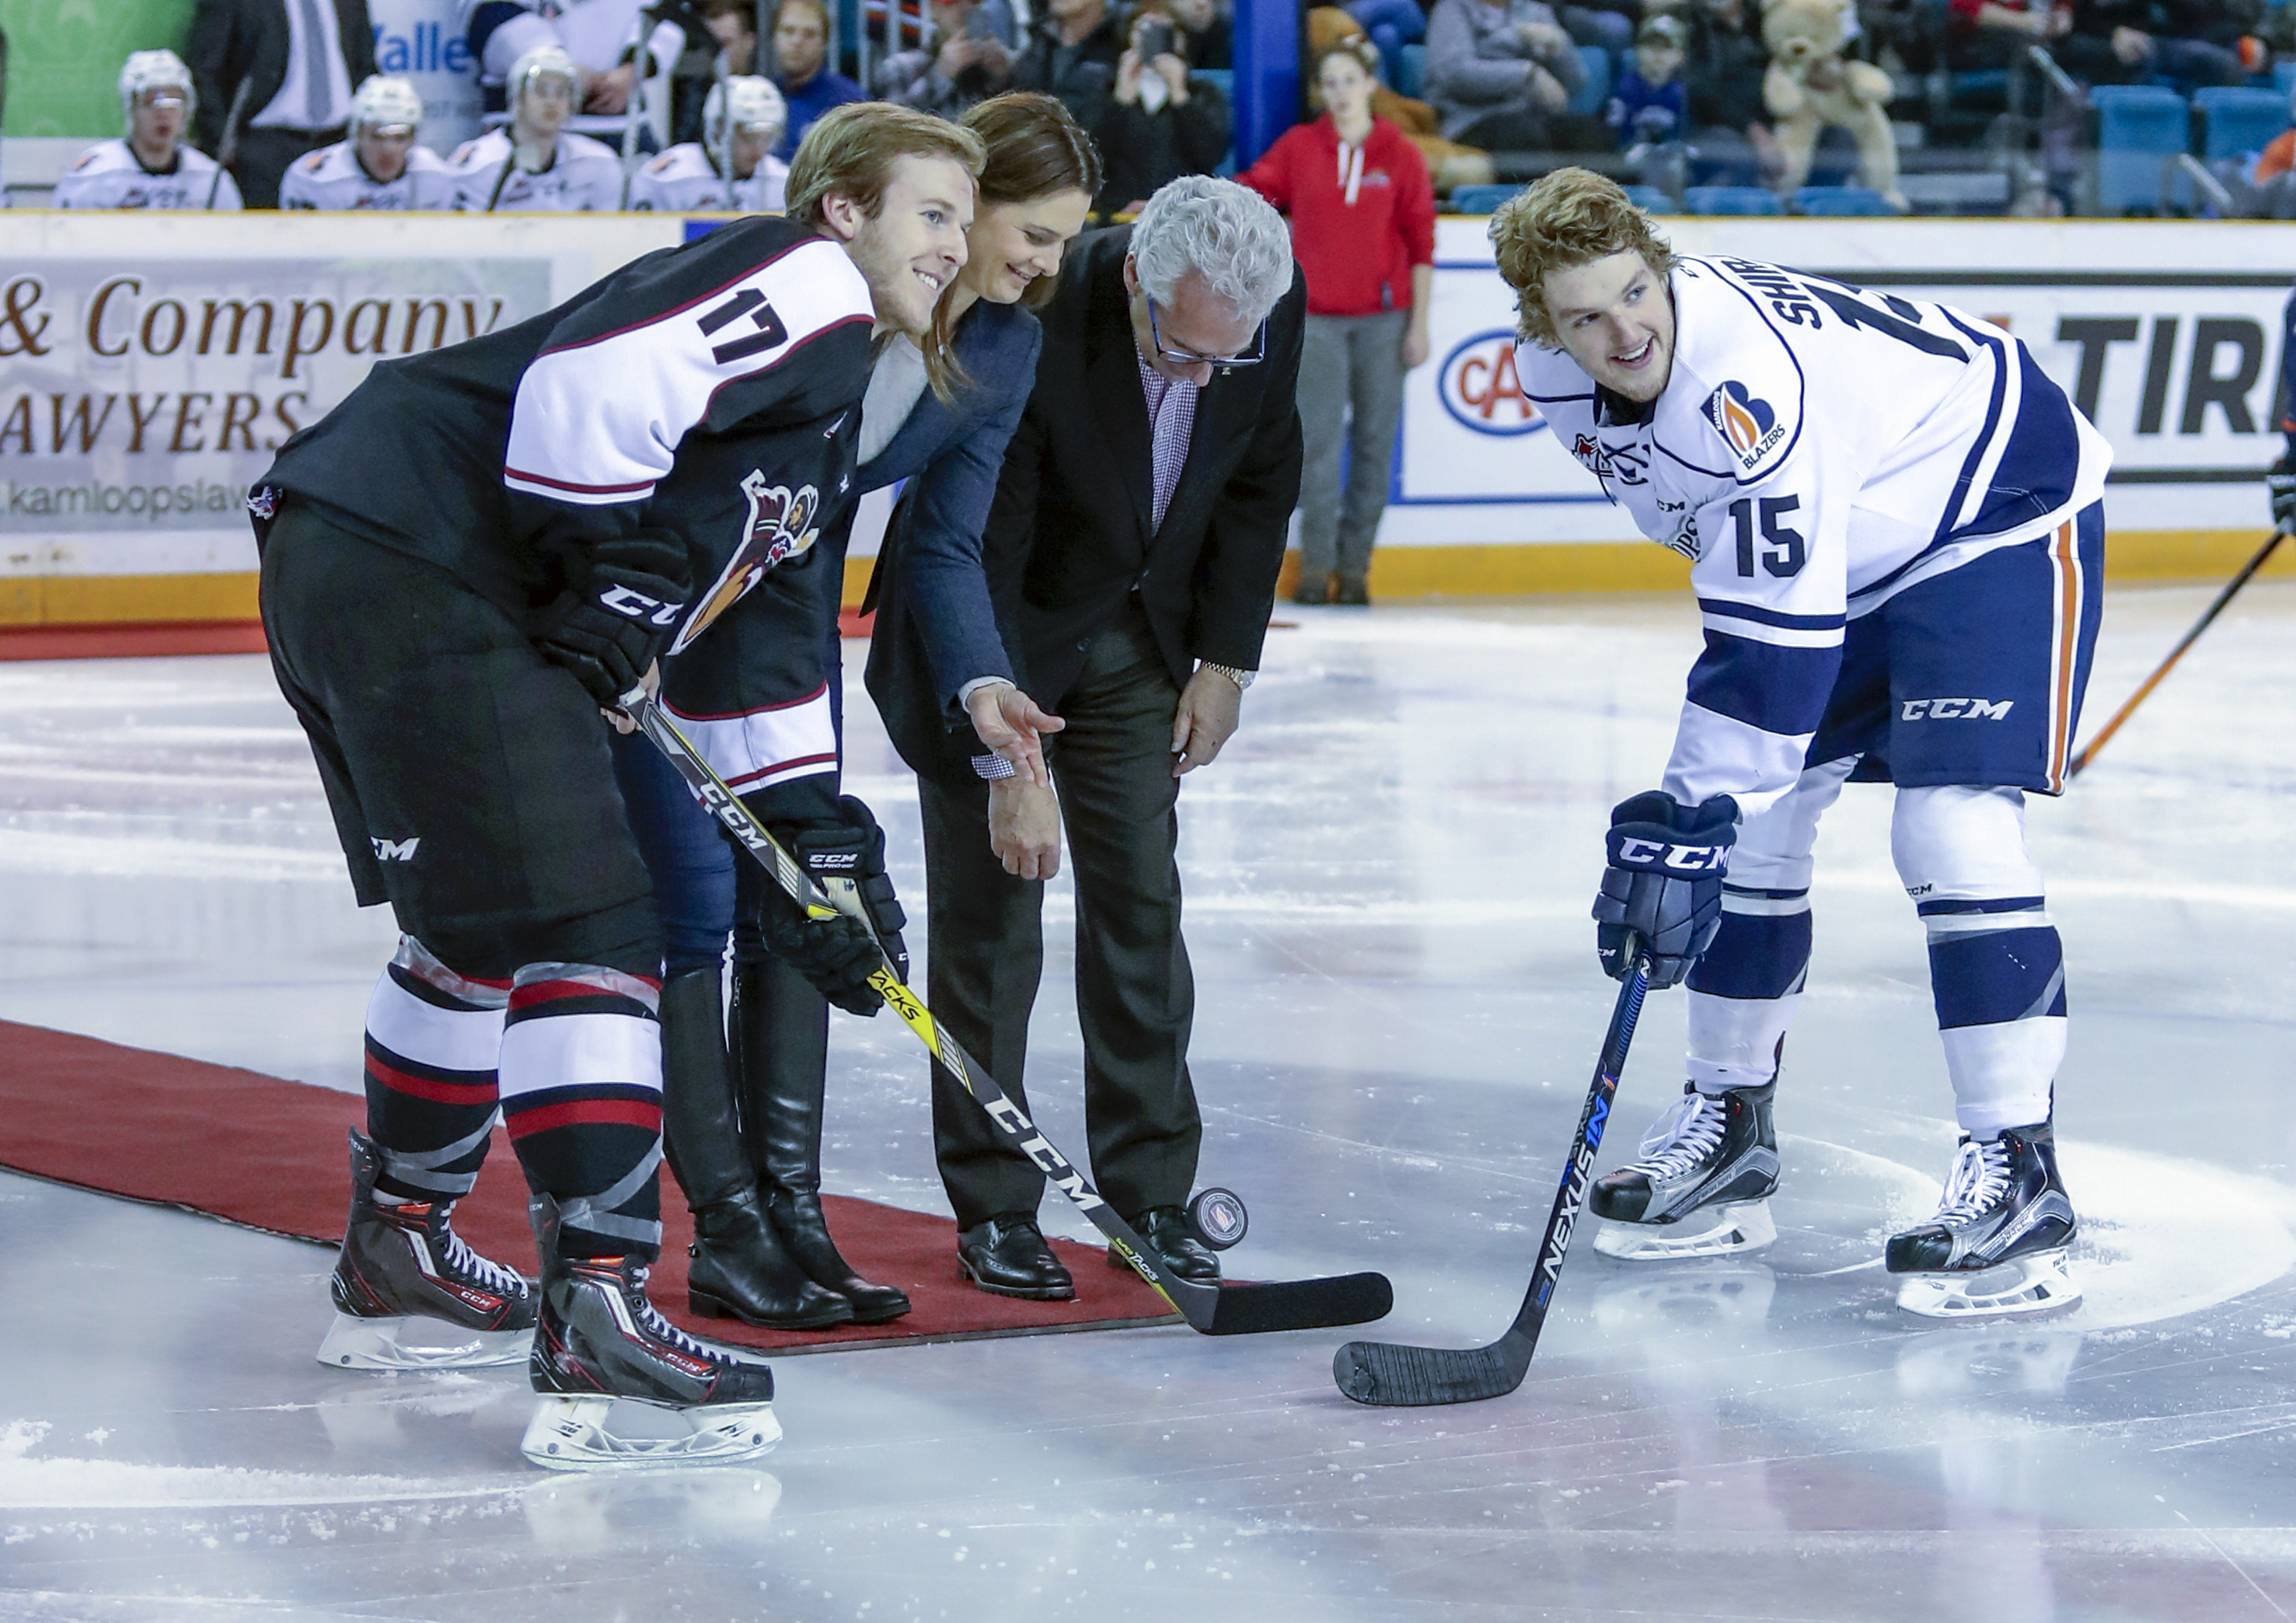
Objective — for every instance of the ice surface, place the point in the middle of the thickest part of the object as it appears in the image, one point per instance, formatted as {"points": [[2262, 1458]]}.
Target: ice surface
{"points": [[1388, 878]]}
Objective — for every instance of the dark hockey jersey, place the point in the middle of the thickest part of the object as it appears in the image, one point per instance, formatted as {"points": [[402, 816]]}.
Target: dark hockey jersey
{"points": [[671, 394]]}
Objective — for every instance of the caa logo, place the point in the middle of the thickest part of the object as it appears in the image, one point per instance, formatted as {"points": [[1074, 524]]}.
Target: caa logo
{"points": [[1478, 386], [1951, 710], [1744, 419]]}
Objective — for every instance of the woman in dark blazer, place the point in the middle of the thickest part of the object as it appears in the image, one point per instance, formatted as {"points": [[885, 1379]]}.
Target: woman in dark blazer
{"points": [[743, 1132]]}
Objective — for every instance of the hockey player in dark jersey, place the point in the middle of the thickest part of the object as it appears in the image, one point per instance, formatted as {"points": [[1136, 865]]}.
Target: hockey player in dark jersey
{"points": [[463, 564], [2280, 482]]}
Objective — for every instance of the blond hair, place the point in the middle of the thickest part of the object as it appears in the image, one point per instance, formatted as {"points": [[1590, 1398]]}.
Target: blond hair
{"points": [[851, 150], [1571, 217]]}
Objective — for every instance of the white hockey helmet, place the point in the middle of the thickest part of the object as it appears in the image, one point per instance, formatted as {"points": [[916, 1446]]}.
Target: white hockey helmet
{"points": [[754, 104], [540, 62], [153, 70], [386, 102]]}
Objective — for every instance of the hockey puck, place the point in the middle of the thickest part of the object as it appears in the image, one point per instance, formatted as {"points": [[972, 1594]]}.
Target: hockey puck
{"points": [[1218, 1217]]}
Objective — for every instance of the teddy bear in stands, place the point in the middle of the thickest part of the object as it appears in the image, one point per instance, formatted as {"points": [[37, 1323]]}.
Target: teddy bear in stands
{"points": [[1809, 86]]}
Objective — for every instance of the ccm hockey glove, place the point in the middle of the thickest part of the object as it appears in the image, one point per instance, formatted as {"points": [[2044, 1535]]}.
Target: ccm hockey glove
{"points": [[2280, 482], [608, 630], [846, 857], [1664, 882]]}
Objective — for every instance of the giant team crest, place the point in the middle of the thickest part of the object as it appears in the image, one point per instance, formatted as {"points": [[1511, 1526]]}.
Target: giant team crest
{"points": [[780, 526]]}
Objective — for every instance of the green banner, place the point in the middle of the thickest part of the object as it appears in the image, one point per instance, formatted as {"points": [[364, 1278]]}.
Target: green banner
{"points": [[64, 57]]}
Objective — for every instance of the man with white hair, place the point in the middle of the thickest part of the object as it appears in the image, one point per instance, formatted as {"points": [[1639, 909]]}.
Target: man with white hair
{"points": [[380, 164], [1132, 551], [536, 165], [732, 167], [152, 167]]}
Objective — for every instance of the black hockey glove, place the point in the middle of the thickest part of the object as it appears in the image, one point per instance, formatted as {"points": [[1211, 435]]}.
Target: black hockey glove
{"points": [[2280, 482], [1664, 882], [609, 630], [846, 857]]}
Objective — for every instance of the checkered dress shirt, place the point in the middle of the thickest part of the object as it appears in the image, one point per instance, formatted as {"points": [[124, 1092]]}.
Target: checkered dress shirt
{"points": [[1172, 418]]}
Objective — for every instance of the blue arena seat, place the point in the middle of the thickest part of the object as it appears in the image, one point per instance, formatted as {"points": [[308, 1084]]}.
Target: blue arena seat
{"points": [[1224, 77], [1731, 200], [1411, 79], [2139, 128], [2238, 120], [1597, 90], [1481, 199], [1838, 200], [2284, 77], [1651, 200]]}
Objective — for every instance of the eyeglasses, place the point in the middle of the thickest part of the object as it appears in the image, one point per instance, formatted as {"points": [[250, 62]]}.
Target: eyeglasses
{"points": [[1221, 365]]}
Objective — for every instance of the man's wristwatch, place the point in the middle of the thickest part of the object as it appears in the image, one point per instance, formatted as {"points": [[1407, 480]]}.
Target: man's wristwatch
{"points": [[1242, 678]]}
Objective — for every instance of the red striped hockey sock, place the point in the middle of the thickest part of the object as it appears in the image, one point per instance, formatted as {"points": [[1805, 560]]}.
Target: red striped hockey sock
{"points": [[432, 1038]]}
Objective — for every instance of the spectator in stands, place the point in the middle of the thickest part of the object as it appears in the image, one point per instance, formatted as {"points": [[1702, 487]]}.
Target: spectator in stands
{"points": [[1390, 25], [1501, 72], [1363, 228], [733, 24], [2264, 187], [151, 168], [1995, 33], [1731, 142], [1073, 54], [1162, 122], [1209, 33], [965, 59], [726, 47], [1608, 26], [1650, 108], [536, 165], [2131, 42], [807, 83], [274, 80], [378, 165], [600, 37], [732, 168]]}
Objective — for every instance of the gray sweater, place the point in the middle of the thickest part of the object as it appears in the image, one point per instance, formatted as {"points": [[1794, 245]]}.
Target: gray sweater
{"points": [[1477, 62]]}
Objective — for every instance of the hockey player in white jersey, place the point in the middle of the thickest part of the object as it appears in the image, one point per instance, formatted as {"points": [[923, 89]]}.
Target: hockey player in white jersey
{"points": [[745, 114], [153, 166], [1896, 535], [380, 164], [534, 165]]}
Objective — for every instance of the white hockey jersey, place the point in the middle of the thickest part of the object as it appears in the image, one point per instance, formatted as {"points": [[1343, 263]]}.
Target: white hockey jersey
{"points": [[1817, 448], [332, 178], [681, 181], [110, 176], [583, 176]]}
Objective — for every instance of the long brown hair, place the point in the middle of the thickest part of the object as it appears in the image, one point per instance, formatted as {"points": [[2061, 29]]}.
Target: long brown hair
{"points": [[851, 150]]}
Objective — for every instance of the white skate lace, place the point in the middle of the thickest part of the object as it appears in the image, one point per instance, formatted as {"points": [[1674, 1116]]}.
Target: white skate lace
{"points": [[493, 1275], [650, 1319], [1979, 1179], [1683, 1137]]}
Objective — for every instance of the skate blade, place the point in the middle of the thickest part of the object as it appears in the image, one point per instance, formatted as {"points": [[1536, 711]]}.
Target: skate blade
{"points": [[2022, 1287], [1735, 1227], [572, 1434], [374, 1344]]}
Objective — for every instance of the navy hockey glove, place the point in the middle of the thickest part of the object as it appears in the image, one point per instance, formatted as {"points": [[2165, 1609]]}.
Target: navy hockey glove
{"points": [[609, 630], [846, 857], [1664, 882], [2280, 482]]}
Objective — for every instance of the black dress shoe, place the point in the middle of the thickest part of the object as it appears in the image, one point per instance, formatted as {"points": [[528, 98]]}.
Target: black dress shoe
{"points": [[1166, 1230], [1006, 1255]]}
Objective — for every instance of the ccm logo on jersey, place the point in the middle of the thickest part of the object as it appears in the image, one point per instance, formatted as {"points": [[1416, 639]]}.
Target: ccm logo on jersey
{"points": [[1674, 858], [394, 850], [1745, 420], [1949, 709]]}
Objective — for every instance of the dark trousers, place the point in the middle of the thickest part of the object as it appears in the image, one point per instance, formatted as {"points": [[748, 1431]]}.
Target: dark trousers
{"points": [[264, 154], [1135, 998]]}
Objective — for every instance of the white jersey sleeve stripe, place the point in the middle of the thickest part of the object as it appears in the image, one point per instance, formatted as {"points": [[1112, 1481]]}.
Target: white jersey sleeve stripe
{"points": [[1719, 754], [1993, 440]]}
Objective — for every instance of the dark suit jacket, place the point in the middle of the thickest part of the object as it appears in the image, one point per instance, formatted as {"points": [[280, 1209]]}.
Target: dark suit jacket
{"points": [[1069, 537], [936, 627], [247, 40]]}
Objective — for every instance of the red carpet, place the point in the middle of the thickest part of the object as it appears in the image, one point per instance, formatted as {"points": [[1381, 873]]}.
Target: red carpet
{"points": [[271, 1154], [130, 642]]}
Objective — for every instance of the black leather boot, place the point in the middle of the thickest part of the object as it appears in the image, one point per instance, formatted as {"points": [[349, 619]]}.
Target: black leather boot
{"points": [[781, 1057], [740, 1269]]}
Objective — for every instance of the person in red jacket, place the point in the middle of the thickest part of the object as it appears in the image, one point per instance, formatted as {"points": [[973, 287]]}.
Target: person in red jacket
{"points": [[1363, 228]]}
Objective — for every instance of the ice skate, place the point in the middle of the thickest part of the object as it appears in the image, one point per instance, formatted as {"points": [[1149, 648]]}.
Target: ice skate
{"points": [[1996, 1246], [1703, 1184], [600, 1340], [409, 1295]]}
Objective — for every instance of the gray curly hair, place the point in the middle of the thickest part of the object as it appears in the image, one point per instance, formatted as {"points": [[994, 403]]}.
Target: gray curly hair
{"points": [[1226, 233]]}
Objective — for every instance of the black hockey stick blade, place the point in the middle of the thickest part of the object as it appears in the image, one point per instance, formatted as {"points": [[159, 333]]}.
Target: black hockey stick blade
{"points": [[1390, 1376], [1215, 1311]]}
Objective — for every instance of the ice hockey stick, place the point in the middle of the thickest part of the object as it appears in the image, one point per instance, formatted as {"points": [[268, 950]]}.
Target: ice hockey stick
{"points": [[1215, 1310]]}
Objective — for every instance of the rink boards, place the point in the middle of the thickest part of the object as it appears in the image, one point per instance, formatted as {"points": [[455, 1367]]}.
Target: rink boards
{"points": [[151, 364]]}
